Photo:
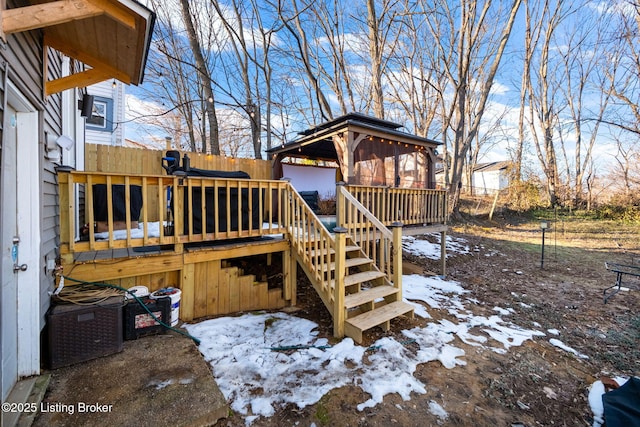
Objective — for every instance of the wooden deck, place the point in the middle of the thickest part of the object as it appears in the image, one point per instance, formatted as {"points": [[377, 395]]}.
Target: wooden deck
{"points": [[219, 263]]}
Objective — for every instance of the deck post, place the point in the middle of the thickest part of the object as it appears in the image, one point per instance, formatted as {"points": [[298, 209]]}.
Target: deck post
{"points": [[178, 213], [289, 276], [340, 204], [64, 203], [443, 252], [397, 257], [338, 287]]}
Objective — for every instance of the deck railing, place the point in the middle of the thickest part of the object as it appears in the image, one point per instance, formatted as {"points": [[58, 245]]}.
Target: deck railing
{"points": [[410, 206], [121, 210], [174, 210]]}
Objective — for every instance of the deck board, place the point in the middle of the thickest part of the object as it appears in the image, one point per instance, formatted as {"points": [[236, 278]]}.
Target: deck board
{"points": [[415, 230]]}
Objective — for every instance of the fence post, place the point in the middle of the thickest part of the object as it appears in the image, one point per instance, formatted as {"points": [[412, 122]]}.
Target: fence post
{"points": [[338, 286], [396, 254], [443, 253]]}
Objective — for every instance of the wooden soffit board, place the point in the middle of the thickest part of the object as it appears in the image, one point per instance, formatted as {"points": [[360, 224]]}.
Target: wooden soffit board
{"points": [[110, 36]]}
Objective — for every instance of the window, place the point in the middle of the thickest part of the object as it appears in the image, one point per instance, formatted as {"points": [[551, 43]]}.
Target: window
{"points": [[101, 115]]}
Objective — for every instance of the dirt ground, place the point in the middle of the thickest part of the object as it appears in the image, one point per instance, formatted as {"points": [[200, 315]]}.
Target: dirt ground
{"points": [[535, 384], [155, 381]]}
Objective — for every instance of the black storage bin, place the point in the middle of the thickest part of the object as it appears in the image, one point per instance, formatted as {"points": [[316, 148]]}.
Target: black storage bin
{"points": [[100, 211], [138, 322], [77, 333]]}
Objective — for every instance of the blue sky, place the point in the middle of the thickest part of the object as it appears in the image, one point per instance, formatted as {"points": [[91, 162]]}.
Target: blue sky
{"points": [[503, 104]]}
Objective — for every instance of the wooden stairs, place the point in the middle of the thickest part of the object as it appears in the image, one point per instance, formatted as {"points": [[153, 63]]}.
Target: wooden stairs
{"points": [[370, 299]]}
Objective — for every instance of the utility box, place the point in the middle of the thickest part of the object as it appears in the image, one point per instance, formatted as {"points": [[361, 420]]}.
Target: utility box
{"points": [[78, 333]]}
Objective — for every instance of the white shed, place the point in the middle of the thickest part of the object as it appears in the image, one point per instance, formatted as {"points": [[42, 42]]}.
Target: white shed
{"points": [[487, 178]]}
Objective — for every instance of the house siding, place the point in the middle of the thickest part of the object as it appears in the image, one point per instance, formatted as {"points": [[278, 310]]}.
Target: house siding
{"points": [[24, 61], [3, 99], [114, 135], [52, 125]]}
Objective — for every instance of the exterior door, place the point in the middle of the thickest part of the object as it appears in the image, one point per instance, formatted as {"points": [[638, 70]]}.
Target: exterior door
{"points": [[9, 279], [20, 238]]}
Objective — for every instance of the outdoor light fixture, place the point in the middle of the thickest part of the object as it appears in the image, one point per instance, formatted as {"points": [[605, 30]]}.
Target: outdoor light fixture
{"points": [[544, 225], [86, 105], [53, 145], [65, 142]]}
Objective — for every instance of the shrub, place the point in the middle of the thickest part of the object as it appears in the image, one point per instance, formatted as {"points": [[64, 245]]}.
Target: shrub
{"points": [[327, 205], [628, 213], [524, 196]]}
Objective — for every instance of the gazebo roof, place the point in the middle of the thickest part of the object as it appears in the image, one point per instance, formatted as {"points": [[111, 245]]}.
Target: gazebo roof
{"points": [[317, 142]]}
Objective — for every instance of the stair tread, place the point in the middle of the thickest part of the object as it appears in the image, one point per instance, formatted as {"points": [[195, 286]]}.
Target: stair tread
{"points": [[351, 262], [362, 277], [314, 252], [321, 252], [372, 294], [380, 315]]}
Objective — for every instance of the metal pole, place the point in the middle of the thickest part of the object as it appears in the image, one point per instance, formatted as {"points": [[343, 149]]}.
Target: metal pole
{"points": [[542, 258]]}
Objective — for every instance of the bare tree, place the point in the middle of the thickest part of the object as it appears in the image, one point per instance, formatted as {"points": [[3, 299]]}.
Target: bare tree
{"points": [[250, 43], [204, 76], [623, 71], [175, 80], [329, 17], [169, 83], [542, 89], [625, 174], [460, 35], [413, 81], [304, 54], [382, 40], [532, 32], [585, 89], [344, 52]]}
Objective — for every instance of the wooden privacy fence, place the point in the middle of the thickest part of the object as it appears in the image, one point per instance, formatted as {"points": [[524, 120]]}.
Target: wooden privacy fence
{"points": [[105, 158], [136, 161]]}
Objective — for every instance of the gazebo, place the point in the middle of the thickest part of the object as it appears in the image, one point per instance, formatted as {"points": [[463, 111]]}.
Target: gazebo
{"points": [[367, 151]]}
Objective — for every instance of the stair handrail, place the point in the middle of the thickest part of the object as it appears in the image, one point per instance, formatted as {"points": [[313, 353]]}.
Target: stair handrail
{"points": [[383, 247], [313, 244], [362, 209]]}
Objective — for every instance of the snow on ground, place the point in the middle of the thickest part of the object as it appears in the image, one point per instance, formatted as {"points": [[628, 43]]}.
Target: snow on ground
{"points": [[563, 346], [266, 360], [430, 250]]}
